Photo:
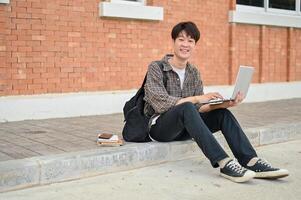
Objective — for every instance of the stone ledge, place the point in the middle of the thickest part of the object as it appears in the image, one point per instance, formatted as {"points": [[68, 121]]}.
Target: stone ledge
{"points": [[16, 174], [4, 1]]}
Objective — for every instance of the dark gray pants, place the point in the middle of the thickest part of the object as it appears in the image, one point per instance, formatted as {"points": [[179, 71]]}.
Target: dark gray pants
{"points": [[184, 121]]}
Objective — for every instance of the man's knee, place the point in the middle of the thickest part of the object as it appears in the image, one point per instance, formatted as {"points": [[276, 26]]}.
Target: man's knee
{"points": [[187, 106], [222, 112], [225, 111]]}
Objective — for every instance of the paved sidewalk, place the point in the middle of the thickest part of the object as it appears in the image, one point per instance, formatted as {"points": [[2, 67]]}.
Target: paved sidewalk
{"points": [[31, 138], [34, 152], [52, 136]]}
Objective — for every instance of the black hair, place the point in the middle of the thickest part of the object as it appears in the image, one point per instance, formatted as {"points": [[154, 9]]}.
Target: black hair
{"points": [[190, 29]]}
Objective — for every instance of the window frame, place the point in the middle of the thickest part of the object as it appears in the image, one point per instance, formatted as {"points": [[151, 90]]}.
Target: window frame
{"points": [[266, 8], [266, 16]]}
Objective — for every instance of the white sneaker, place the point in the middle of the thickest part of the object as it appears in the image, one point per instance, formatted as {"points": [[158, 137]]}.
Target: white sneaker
{"points": [[236, 173], [264, 170]]}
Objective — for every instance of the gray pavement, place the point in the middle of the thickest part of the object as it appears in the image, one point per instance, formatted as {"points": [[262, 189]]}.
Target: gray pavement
{"points": [[35, 152], [187, 179], [31, 138]]}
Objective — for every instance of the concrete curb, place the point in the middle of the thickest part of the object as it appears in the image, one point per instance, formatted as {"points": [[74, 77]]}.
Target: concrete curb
{"points": [[17, 174]]}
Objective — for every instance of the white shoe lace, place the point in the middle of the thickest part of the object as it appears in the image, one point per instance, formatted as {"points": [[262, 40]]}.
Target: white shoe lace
{"points": [[265, 163], [235, 166]]}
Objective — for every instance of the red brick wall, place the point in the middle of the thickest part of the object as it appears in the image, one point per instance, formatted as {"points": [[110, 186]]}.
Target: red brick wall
{"points": [[273, 51], [244, 49], [276, 59], [64, 46]]}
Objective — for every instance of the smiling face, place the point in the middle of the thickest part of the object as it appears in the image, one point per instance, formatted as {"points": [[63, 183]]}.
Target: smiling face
{"points": [[183, 46]]}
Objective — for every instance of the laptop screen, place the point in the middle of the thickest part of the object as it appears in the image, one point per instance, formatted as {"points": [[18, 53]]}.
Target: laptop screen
{"points": [[243, 80]]}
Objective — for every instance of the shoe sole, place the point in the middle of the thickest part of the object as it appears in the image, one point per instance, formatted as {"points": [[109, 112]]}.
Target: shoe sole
{"points": [[248, 176], [272, 174]]}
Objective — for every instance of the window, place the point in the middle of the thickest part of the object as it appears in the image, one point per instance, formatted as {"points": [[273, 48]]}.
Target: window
{"points": [[284, 13], [289, 5], [257, 3], [280, 4]]}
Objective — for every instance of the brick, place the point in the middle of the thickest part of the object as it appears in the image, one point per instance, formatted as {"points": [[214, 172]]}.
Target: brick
{"points": [[73, 44], [38, 27], [24, 49], [32, 76], [38, 37], [24, 15], [18, 43], [24, 59], [39, 4], [38, 16], [78, 8], [53, 80], [34, 10], [2, 48], [39, 59], [66, 69], [48, 75], [19, 76], [23, 4], [74, 34], [20, 10]]}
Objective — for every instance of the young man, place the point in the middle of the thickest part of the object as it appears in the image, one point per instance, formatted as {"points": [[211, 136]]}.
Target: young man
{"points": [[176, 112]]}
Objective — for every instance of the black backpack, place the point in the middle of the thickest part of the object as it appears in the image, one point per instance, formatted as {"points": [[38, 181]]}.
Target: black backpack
{"points": [[136, 123]]}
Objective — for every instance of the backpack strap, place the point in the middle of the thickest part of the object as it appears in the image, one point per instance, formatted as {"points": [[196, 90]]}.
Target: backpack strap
{"points": [[164, 75], [144, 81]]}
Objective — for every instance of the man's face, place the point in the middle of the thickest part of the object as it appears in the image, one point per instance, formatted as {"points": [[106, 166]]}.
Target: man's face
{"points": [[183, 46]]}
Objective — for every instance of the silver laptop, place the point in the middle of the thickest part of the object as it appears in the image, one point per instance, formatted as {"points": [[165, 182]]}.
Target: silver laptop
{"points": [[242, 84]]}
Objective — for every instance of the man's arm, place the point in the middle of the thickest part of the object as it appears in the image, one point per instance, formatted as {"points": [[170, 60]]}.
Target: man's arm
{"points": [[199, 98], [155, 91]]}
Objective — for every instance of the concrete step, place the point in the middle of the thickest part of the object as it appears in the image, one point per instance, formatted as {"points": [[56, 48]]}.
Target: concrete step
{"points": [[28, 172]]}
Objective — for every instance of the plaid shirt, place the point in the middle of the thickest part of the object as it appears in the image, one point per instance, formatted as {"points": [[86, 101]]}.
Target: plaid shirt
{"points": [[160, 99]]}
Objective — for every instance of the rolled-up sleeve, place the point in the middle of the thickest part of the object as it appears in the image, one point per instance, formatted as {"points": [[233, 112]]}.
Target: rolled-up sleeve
{"points": [[198, 84], [155, 91]]}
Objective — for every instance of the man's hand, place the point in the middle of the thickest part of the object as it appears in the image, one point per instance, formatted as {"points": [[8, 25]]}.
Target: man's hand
{"points": [[238, 99], [206, 97], [200, 98]]}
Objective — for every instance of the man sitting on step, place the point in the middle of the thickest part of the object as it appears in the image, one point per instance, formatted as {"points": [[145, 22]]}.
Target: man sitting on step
{"points": [[176, 112]]}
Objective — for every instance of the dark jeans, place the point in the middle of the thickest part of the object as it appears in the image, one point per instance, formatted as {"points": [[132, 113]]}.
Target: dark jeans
{"points": [[184, 121]]}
